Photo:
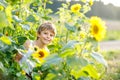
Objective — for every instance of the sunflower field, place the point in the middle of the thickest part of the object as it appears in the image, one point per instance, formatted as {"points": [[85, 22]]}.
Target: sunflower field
{"points": [[74, 52]]}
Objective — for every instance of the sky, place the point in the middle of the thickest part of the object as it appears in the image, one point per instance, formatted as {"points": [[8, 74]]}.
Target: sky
{"points": [[114, 2]]}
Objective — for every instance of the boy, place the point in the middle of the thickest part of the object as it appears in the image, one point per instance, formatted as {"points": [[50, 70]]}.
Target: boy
{"points": [[45, 35]]}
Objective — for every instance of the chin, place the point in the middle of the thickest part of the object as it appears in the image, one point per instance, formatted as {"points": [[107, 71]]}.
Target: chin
{"points": [[46, 43]]}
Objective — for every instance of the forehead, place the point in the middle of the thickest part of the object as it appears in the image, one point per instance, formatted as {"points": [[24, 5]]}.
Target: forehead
{"points": [[48, 30]]}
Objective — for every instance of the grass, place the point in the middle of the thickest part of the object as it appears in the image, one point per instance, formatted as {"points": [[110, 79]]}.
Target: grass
{"points": [[113, 59], [110, 55], [112, 35], [113, 30]]}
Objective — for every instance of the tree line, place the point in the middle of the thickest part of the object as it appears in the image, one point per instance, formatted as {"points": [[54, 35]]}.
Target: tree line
{"points": [[98, 9]]}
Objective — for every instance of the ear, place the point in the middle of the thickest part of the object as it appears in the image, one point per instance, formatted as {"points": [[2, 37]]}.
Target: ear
{"points": [[38, 34]]}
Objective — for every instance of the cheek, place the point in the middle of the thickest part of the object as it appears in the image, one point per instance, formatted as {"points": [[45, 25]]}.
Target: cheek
{"points": [[42, 35], [52, 38]]}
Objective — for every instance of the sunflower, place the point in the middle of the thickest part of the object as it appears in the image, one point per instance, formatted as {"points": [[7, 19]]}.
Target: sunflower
{"points": [[40, 54], [98, 28], [6, 40], [23, 72], [75, 8], [91, 2]]}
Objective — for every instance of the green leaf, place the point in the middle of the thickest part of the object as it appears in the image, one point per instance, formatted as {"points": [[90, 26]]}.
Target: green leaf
{"points": [[84, 78], [86, 71], [1, 34], [3, 3], [2, 67], [30, 18], [52, 60], [8, 11], [46, 17], [50, 2], [91, 71], [21, 40], [3, 20], [79, 61], [70, 44], [50, 76], [34, 6], [67, 52], [69, 27], [80, 21], [99, 58], [31, 36], [25, 26], [17, 19]]}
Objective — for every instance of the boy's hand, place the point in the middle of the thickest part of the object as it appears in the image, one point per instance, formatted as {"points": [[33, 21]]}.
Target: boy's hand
{"points": [[18, 57]]}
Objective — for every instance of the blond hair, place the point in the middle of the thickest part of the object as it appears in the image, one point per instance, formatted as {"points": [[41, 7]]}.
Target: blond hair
{"points": [[46, 26]]}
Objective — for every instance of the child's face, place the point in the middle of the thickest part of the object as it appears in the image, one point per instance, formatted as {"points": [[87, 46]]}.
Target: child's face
{"points": [[46, 36]]}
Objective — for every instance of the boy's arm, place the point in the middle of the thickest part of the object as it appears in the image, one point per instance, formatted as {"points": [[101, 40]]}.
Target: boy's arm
{"points": [[19, 56]]}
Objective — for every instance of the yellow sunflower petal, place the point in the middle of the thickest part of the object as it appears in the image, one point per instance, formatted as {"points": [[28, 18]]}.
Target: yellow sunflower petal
{"points": [[91, 2], [40, 54], [23, 72], [98, 28], [75, 8], [6, 40]]}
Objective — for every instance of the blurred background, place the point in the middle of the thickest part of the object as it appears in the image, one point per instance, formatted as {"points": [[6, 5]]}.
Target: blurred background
{"points": [[109, 11]]}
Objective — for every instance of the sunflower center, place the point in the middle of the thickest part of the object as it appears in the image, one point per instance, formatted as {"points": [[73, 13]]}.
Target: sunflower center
{"points": [[76, 8], [41, 54], [95, 29]]}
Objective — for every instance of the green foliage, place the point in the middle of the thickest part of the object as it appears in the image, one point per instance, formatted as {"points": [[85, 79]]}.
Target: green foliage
{"points": [[71, 55], [70, 28], [113, 36], [114, 67]]}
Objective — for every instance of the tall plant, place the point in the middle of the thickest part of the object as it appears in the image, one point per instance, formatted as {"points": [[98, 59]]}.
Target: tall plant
{"points": [[74, 51]]}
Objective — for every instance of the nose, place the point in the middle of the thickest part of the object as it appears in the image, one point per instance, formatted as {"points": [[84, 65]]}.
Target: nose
{"points": [[48, 36]]}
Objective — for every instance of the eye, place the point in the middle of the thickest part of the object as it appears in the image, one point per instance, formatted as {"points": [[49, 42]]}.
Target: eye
{"points": [[52, 35], [45, 33]]}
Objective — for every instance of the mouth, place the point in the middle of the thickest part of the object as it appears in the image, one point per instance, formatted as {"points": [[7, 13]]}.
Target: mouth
{"points": [[47, 40]]}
